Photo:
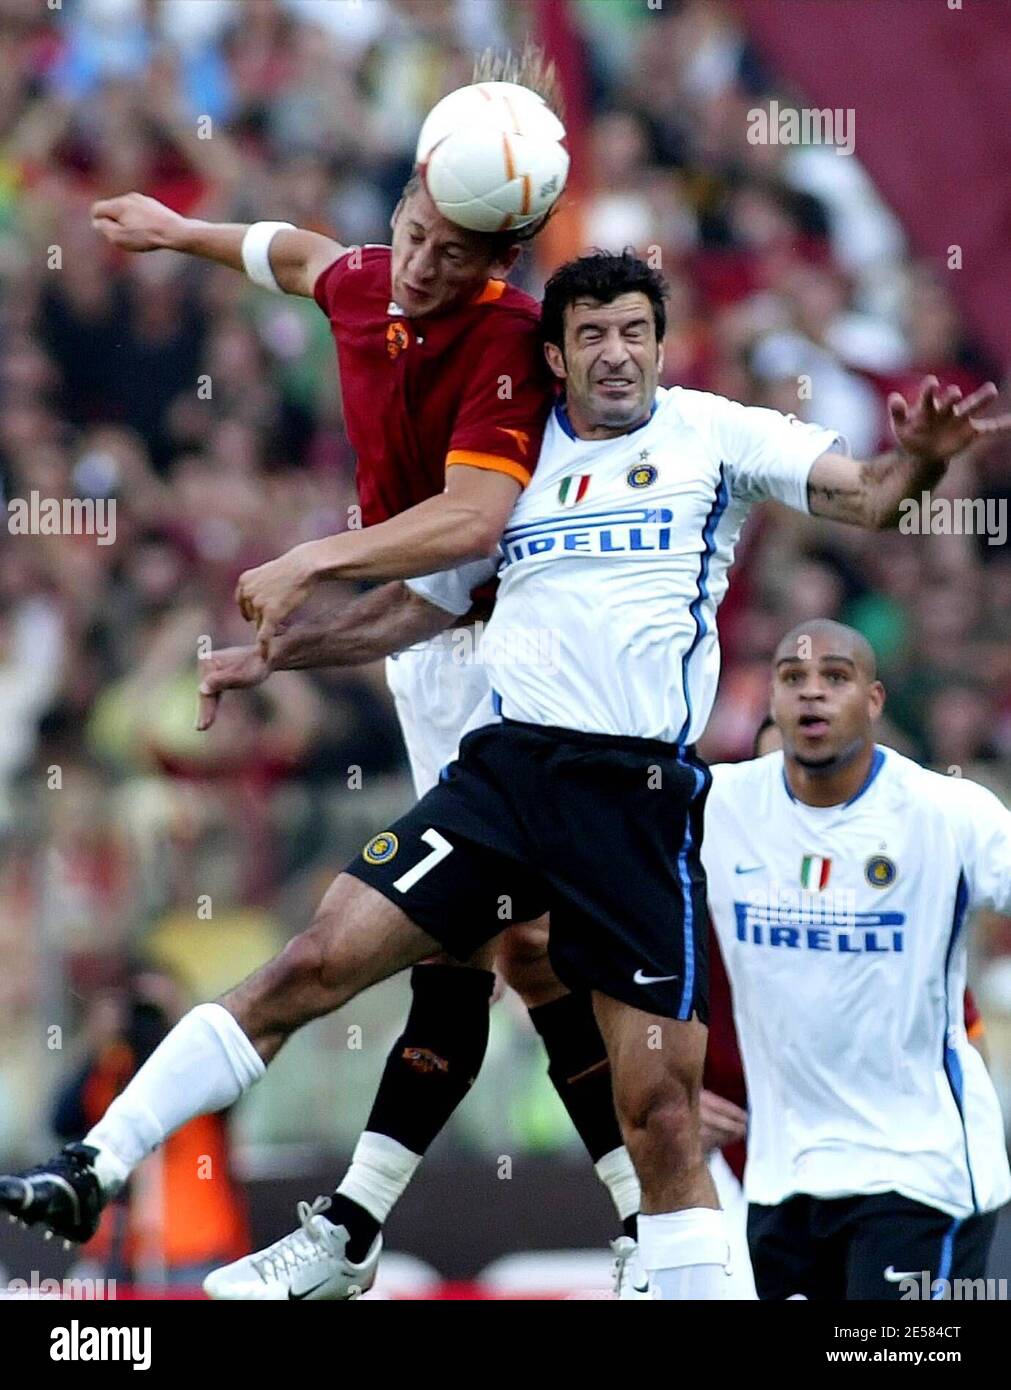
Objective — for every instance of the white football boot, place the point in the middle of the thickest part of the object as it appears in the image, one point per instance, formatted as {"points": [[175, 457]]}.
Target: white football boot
{"points": [[631, 1282], [308, 1264]]}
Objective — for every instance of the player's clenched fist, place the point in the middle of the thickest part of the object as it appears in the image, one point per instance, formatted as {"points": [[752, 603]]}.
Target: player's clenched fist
{"points": [[136, 222], [269, 593]]}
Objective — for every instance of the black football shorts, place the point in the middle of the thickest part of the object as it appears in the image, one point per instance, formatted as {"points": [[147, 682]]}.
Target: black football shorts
{"points": [[883, 1247], [602, 832]]}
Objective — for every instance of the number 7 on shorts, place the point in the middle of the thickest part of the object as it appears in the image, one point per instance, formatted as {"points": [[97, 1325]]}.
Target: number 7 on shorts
{"points": [[440, 848]]}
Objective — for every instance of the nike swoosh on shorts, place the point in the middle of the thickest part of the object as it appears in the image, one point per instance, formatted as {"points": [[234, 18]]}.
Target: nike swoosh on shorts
{"points": [[640, 979]]}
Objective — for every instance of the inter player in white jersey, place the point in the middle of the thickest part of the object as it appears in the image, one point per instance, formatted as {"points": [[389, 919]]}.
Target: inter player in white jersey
{"points": [[586, 798], [840, 877]]}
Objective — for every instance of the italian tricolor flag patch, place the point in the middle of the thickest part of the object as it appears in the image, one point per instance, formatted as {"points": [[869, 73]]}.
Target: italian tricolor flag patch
{"points": [[814, 872], [573, 489]]}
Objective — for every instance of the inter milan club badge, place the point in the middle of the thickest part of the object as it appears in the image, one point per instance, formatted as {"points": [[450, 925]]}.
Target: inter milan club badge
{"points": [[814, 872], [381, 848], [643, 474], [880, 871]]}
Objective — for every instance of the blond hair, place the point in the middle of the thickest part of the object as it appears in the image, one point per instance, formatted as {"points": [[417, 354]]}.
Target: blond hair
{"points": [[532, 68]]}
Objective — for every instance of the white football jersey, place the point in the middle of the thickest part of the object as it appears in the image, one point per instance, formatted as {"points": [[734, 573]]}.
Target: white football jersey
{"points": [[615, 560], [842, 929]]}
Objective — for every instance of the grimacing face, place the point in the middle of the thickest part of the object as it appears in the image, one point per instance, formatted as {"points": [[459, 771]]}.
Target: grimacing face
{"points": [[824, 702], [611, 364], [436, 264]]}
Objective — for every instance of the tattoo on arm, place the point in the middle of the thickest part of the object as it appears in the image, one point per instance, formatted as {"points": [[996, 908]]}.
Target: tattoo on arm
{"points": [[869, 492]]}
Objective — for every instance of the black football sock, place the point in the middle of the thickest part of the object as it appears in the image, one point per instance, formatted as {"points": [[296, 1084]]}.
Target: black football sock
{"points": [[579, 1070], [430, 1069], [362, 1226], [436, 1059]]}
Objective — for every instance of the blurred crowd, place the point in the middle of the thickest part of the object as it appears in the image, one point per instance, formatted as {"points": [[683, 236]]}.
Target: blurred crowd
{"points": [[211, 413]]}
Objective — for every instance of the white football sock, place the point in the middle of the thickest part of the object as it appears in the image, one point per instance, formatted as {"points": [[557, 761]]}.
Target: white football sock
{"points": [[615, 1171], [380, 1171], [205, 1063], [686, 1254]]}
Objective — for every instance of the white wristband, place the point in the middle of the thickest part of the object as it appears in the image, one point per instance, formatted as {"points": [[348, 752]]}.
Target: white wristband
{"points": [[256, 253]]}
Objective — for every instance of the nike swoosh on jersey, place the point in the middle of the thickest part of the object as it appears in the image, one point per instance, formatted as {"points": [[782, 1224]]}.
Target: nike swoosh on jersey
{"points": [[893, 1275], [640, 979], [748, 869]]}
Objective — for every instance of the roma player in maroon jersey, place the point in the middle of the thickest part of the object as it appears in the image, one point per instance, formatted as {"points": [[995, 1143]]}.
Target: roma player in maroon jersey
{"points": [[445, 395]]}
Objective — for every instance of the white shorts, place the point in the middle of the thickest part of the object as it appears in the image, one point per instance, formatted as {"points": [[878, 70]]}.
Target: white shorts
{"points": [[441, 691]]}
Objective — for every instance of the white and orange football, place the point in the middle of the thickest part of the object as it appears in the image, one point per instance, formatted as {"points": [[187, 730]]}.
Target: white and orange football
{"points": [[492, 156]]}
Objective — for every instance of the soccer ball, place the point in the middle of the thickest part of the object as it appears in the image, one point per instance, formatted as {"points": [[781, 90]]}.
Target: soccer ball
{"points": [[491, 156]]}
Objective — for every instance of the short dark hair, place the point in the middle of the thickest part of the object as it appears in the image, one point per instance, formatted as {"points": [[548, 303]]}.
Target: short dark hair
{"points": [[602, 276]]}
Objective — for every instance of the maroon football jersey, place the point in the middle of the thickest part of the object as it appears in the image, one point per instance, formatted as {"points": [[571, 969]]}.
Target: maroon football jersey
{"points": [[469, 386]]}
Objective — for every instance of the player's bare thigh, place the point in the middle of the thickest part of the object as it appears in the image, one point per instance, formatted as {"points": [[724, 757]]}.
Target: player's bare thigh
{"points": [[356, 939], [656, 1070]]}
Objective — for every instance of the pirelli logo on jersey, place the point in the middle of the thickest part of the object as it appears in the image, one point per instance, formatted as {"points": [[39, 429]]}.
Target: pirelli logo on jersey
{"points": [[799, 920], [631, 531]]}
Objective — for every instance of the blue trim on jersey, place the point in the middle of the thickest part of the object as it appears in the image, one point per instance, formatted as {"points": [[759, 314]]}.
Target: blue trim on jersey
{"points": [[562, 416], [444, 773], [877, 763], [496, 703], [585, 520], [947, 1257], [950, 1058], [716, 511], [688, 988]]}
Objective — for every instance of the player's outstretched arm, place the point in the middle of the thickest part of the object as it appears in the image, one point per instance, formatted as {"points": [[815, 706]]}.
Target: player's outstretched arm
{"points": [[929, 434], [136, 222], [462, 523], [387, 619]]}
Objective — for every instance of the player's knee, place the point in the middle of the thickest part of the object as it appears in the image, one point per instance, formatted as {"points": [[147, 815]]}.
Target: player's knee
{"points": [[524, 964], [659, 1119], [319, 964], [301, 962], [286, 993]]}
